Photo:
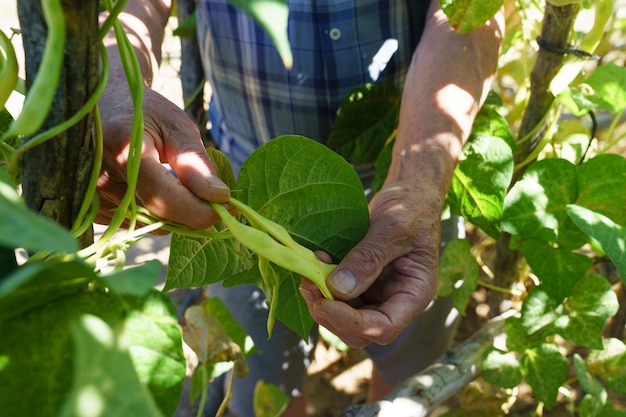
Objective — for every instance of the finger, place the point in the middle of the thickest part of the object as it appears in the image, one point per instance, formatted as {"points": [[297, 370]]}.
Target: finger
{"points": [[163, 195], [363, 264], [184, 152], [356, 328]]}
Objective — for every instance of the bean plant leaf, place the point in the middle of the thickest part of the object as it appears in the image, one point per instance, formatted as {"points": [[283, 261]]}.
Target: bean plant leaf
{"points": [[590, 384], [292, 310], [587, 407], [367, 119], [480, 181], [598, 181], [154, 341], [137, 280], [105, 383], [544, 368], [609, 364], [215, 336], [608, 82], [591, 302], [269, 400], [576, 100], [35, 284], [594, 405], [610, 235], [458, 264], [187, 28], [308, 189], [535, 206], [538, 311], [273, 17], [196, 261], [40, 356], [558, 269], [501, 368], [21, 227], [465, 15], [489, 122], [224, 168], [517, 337]]}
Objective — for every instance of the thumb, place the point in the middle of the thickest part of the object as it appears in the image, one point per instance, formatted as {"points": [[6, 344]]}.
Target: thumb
{"points": [[360, 268]]}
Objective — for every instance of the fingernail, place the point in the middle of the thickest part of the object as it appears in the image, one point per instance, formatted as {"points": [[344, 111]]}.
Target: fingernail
{"points": [[343, 281]]}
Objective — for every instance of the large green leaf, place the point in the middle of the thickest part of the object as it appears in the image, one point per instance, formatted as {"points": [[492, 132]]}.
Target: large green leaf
{"points": [[538, 311], [465, 15], [500, 368], [587, 381], [609, 364], [273, 17], [518, 339], [367, 119], [196, 261], [610, 235], [105, 383], [292, 309], [609, 81], [595, 398], [20, 227], [545, 369], [558, 269], [137, 280], [37, 348], [269, 400], [591, 302], [458, 264], [218, 340], [489, 122], [480, 182], [35, 284], [599, 183], [308, 189], [535, 206]]}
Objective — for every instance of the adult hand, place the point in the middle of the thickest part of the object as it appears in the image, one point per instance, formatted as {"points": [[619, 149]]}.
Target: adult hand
{"points": [[171, 137], [391, 275]]}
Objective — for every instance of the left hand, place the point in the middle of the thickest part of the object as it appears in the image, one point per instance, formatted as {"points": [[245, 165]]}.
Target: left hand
{"points": [[391, 275]]}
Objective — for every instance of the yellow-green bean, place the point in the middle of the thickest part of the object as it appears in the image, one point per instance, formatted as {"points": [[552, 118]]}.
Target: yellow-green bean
{"points": [[39, 99], [264, 245], [274, 229], [8, 69]]}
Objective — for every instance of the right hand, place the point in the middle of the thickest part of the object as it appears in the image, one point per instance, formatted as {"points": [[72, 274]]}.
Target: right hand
{"points": [[171, 137]]}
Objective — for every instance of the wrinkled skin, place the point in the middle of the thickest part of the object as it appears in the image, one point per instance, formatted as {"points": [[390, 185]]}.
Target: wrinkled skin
{"points": [[169, 136], [395, 265]]}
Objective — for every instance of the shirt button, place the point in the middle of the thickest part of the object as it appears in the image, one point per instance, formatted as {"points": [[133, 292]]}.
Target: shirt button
{"points": [[334, 34]]}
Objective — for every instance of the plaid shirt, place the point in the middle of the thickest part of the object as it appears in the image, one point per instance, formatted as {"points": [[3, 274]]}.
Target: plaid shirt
{"points": [[336, 45]]}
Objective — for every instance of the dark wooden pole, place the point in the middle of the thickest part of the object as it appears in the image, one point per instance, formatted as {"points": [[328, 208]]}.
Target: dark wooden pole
{"points": [[55, 174]]}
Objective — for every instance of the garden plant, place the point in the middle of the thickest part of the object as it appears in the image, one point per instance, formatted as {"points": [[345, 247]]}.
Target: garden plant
{"points": [[541, 185]]}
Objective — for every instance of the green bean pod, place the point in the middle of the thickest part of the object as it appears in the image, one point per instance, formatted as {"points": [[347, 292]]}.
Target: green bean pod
{"points": [[271, 284], [264, 245], [8, 69], [274, 229], [39, 99]]}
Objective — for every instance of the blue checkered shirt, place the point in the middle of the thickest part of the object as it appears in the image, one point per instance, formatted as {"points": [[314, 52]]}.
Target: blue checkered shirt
{"points": [[336, 45]]}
